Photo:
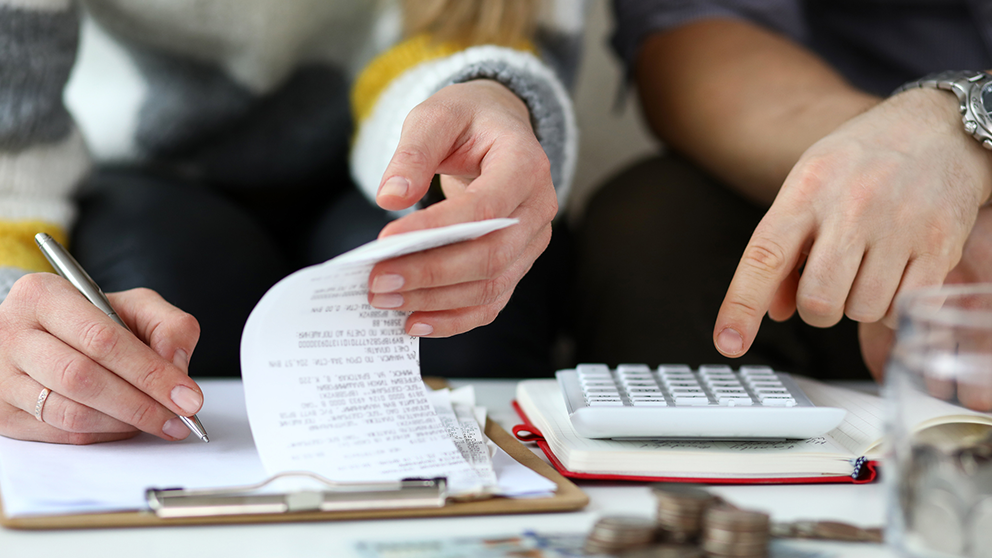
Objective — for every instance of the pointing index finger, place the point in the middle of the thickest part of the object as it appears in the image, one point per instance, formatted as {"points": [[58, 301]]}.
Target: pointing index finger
{"points": [[771, 255]]}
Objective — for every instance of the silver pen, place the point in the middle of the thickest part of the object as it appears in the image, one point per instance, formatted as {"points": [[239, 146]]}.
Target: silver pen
{"points": [[69, 268]]}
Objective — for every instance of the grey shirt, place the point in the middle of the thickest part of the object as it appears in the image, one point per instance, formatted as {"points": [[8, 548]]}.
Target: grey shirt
{"points": [[876, 44]]}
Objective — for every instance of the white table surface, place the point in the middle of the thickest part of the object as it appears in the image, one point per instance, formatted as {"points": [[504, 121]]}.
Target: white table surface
{"points": [[862, 504]]}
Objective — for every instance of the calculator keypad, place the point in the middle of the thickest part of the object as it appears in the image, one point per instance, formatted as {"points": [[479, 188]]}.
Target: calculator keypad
{"points": [[678, 385]]}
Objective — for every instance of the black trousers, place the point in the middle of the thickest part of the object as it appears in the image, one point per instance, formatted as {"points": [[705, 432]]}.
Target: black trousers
{"points": [[656, 250], [214, 250]]}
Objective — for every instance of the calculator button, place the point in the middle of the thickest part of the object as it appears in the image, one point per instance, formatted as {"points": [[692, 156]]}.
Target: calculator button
{"points": [[596, 378], [710, 368], [691, 401], [639, 368], [681, 383], [597, 383], [649, 403], [759, 385], [724, 384], [674, 368], [771, 391], [779, 403], [678, 376], [730, 391], [585, 368], [603, 403], [639, 380], [735, 401], [775, 396]]}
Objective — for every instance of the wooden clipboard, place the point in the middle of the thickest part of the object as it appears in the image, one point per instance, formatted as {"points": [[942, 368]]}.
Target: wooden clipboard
{"points": [[568, 497]]}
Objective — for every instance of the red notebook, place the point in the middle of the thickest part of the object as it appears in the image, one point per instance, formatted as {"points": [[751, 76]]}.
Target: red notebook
{"points": [[843, 456]]}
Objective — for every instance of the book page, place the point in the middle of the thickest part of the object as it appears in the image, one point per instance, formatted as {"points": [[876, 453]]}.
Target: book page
{"points": [[864, 426], [333, 385]]}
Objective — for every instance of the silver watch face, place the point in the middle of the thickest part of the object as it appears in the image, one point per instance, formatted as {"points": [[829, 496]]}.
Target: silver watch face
{"points": [[987, 98]]}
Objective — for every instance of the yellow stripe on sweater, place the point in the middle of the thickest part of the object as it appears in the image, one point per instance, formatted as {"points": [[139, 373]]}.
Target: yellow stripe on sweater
{"points": [[18, 248], [389, 65]]}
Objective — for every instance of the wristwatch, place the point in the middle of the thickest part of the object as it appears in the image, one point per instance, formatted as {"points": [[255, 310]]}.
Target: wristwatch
{"points": [[974, 91]]}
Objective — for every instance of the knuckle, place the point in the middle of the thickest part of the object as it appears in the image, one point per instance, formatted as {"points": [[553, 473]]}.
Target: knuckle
{"points": [[99, 340], [75, 376], [746, 308], [500, 255], [410, 156], [180, 326], [486, 207], [188, 324], [152, 375], [430, 276], [30, 286], [143, 415], [818, 310], [765, 256], [495, 289], [73, 417]]}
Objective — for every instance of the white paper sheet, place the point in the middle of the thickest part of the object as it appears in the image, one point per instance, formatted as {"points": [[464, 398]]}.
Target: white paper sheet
{"points": [[45, 479], [53, 479], [333, 385]]}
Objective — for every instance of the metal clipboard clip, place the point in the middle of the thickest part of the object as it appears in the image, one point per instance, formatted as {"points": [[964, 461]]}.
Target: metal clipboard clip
{"points": [[333, 496]]}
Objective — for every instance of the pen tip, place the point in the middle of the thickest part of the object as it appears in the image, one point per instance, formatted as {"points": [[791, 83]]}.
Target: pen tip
{"points": [[205, 439]]}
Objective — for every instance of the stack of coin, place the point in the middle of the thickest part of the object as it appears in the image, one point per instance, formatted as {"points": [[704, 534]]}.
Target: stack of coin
{"points": [[617, 534], [734, 532], [680, 510]]}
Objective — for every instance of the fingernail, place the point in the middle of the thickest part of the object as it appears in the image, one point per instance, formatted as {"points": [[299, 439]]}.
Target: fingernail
{"points": [[175, 428], [420, 330], [730, 342], [387, 283], [395, 186], [181, 359], [391, 300], [188, 400]]}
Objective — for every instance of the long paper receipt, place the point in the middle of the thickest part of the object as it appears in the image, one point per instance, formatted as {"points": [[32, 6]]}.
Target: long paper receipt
{"points": [[333, 385]]}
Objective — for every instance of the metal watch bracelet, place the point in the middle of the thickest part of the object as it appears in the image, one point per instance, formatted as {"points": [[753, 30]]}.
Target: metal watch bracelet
{"points": [[973, 89]]}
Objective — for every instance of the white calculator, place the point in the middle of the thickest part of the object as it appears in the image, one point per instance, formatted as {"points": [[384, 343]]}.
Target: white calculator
{"points": [[674, 401]]}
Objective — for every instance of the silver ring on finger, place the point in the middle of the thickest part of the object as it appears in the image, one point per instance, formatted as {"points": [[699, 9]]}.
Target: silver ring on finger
{"points": [[39, 407]]}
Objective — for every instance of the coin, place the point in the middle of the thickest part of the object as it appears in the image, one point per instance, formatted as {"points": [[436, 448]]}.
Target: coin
{"points": [[614, 534]]}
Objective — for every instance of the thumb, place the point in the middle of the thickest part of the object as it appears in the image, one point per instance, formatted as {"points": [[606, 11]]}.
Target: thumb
{"points": [[425, 142]]}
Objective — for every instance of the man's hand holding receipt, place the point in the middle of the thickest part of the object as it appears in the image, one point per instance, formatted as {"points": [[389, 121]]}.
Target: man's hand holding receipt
{"points": [[97, 381]]}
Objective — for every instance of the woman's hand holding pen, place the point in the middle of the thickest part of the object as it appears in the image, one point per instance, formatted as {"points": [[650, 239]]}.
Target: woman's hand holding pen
{"points": [[106, 383], [478, 137]]}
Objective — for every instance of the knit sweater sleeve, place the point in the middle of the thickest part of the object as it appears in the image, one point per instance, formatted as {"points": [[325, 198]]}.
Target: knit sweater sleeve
{"points": [[405, 76], [42, 154]]}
